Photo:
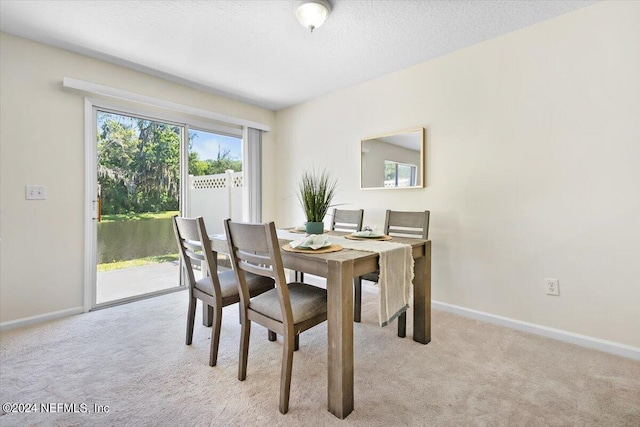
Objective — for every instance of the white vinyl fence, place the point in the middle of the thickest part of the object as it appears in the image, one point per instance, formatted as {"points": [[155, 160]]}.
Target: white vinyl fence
{"points": [[215, 198]]}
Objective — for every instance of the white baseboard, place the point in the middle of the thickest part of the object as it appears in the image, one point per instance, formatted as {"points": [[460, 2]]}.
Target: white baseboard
{"points": [[558, 334], [12, 324]]}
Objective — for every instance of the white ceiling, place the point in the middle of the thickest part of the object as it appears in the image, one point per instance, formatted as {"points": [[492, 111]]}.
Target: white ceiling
{"points": [[256, 51]]}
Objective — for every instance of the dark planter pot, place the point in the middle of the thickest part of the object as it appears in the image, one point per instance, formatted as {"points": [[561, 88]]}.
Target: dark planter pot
{"points": [[315, 227]]}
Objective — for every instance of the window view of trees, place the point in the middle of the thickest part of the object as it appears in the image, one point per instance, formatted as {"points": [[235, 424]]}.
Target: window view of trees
{"points": [[399, 174], [223, 162], [139, 164]]}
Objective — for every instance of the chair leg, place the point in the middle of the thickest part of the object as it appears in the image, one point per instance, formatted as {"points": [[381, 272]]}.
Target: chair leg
{"points": [[296, 343], [272, 336], [215, 336], [244, 349], [285, 375], [402, 325], [357, 300], [191, 317]]}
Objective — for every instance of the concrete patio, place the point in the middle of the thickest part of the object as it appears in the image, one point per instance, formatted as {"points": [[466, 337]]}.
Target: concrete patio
{"points": [[128, 282]]}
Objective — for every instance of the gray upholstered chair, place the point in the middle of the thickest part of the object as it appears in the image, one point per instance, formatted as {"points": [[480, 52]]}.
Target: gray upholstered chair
{"points": [[402, 224], [288, 309], [217, 289]]}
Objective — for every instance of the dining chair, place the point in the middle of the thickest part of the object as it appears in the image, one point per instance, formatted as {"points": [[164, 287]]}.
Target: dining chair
{"points": [[347, 220], [289, 309], [350, 221], [216, 289], [399, 224]]}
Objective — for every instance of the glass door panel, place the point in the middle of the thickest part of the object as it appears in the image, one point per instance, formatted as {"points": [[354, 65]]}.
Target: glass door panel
{"points": [[214, 190], [215, 178], [138, 175]]}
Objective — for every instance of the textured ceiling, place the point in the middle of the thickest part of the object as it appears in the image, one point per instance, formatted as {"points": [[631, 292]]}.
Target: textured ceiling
{"points": [[256, 51]]}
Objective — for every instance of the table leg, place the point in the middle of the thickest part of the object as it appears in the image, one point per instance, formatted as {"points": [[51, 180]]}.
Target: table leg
{"points": [[340, 335], [207, 315], [207, 310], [422, 297]]}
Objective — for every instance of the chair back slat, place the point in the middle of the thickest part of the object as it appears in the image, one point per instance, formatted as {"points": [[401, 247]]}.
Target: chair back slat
{"points": [[259, 264], [193, 250], [347, 220], [407, 224], [253, 258], [195, 245], [258, 269]]}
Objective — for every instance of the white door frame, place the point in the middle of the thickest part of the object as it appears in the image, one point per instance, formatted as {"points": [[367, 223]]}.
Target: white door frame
{"points": [[91, 210]]}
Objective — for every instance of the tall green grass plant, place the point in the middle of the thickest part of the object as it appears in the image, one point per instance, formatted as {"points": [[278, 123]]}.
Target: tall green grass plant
{"points": [[315, 193]]}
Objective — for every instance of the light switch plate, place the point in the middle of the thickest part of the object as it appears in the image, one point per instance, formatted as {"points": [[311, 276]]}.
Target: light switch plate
{"points": [[35, 192]]}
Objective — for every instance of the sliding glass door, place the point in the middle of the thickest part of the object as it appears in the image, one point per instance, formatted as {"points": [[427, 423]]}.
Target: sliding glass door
{"points": [[142, 170]]}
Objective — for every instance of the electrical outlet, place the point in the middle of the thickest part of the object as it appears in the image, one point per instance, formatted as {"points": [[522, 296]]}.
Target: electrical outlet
{"points": [[552, 286], [35, 192]]}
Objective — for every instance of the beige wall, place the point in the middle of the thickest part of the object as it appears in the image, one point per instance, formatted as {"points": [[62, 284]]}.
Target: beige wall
{"points": [[533, 167], [42, 142]]}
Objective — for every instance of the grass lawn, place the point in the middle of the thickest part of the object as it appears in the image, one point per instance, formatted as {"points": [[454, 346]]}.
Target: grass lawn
{"points": [[137, 216], [137, 262]]}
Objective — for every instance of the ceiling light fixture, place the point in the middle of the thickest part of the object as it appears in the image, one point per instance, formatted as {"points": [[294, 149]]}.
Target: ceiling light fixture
{"points": [[312, 13]]}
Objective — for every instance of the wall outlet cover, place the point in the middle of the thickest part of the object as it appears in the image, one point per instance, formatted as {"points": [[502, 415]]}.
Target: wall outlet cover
{"points": [[552, 287]]}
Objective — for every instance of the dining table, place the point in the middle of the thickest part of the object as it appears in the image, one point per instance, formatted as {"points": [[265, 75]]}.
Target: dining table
{"points": [[340, 268]]}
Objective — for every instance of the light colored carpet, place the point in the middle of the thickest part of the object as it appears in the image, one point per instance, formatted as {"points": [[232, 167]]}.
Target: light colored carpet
{"points": [[133, 359]]}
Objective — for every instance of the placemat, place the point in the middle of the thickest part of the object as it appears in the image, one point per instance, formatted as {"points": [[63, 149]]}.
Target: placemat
{"points": [[385, 237], [328, 249]]}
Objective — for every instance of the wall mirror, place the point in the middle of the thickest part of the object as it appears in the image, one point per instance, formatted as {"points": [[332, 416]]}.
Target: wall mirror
{"points": [[394, 160]]}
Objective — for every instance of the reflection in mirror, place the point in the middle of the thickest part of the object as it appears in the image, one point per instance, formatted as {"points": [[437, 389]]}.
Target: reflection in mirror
{"points": [[393, 161]]}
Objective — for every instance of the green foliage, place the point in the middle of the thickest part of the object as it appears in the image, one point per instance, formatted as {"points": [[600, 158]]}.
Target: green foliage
{"points": [[139, 164], [315, 193], [222, 163], [389, 171]]}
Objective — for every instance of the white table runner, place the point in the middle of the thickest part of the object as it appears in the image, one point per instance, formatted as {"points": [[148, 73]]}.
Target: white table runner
{"points": [[396, 274]]}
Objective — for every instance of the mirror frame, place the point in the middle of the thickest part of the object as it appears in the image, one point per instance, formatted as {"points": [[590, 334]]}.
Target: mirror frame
{"points": [[422, 175]]}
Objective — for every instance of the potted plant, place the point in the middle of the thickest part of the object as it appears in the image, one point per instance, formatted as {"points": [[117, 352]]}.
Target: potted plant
{"points": [[315, 193]]}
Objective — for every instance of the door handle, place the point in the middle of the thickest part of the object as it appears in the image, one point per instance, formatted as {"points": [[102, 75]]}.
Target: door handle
{"points": [[95, 210]]}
